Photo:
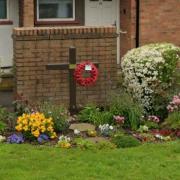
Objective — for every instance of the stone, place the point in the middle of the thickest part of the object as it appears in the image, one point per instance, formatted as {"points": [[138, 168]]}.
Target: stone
{"points": [[82, 127]]}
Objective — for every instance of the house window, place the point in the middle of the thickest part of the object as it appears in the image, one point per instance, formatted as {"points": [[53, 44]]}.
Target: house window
{"points": [[55, 10], [3, 10]]}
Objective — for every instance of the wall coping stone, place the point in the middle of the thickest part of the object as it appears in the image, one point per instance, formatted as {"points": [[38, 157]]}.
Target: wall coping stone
{"points": [[75, 32]]}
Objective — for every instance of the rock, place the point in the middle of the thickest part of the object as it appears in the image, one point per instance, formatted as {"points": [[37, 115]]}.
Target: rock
{"points": [[97, 139], [82, 127]]}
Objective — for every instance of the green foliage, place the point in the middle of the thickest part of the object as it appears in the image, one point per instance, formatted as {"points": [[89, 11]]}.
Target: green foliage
{"points": [[151, 125], [84, 144], [94, 115], [124, 105], [85, 115], [21, 107], [167, 71], [173, 120], [105, 145], [148, 73], [57, 113], [124, 141], [8, 118], [2, 127]]}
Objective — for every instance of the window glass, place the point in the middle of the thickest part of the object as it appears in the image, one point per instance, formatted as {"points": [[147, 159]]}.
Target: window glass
{"points": [[3, 9], [55, 9]]}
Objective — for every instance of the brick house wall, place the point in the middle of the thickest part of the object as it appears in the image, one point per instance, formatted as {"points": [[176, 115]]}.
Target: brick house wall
{"points": [[34, 48], [159, 21]]}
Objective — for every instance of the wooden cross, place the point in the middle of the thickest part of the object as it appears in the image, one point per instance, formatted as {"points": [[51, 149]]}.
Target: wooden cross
{"points": [[72, 84]]}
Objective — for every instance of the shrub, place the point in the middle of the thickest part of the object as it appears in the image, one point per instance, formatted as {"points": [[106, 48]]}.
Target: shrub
{"points": [[7, 118], [173, 119], [148, 71], [35, 124], [84, 144], [57, 113], [124, 105], [2, 127], [124, 141], [95, 115], [85, 115]]}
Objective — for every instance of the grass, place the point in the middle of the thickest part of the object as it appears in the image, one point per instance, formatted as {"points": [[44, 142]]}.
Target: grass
{"points": [[146, 162]]}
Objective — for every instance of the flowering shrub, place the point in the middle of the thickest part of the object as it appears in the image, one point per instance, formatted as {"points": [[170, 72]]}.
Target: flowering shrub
{"points": [[174, 105], [173, 119], [106, 129], [148, 70], [35, 124], [64, 142], [119, 120]]}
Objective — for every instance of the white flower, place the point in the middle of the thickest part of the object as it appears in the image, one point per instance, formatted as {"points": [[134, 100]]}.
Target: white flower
{"points": [[111, 127], [2, 138], [76, 132]]}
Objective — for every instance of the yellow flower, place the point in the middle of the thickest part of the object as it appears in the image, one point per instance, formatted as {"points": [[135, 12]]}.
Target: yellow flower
{"points": [[25, 128], [18, 128], [65, 145], [36, 133]]}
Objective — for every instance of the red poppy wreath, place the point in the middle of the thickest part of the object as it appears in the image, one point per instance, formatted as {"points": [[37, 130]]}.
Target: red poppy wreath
{"points": [[83, 68]]}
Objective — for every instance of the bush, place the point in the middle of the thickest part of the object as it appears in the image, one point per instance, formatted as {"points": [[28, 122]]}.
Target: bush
{"points": [[124, 105], [85, 115], [35, 124], [2, 127], [57, 113], [124, 141], [8, 118], [95, 115], [148, 72], [173, 119]]}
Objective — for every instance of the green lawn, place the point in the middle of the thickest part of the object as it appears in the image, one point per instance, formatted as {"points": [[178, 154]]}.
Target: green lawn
{"points": [[147, 162]]}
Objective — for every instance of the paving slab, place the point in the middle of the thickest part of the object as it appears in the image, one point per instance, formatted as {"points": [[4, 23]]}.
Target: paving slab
{"points": [[82, 127]]}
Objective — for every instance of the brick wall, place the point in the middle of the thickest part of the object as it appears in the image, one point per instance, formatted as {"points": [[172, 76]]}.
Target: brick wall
{"points": [[127, 24], [28, 13], [34, 48], [159, 21]]}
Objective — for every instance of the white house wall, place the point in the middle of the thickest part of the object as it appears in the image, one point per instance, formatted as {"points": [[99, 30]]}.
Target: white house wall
{"points": [[6, 43]]}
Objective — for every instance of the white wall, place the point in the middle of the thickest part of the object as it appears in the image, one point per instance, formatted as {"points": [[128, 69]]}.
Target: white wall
{"points": [[6, 42]]}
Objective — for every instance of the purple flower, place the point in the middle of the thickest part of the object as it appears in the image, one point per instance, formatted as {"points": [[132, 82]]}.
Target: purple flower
{"points": [[43, 138], [15, 139]]}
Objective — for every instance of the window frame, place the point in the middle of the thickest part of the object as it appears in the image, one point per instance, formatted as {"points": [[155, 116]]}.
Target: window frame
{"points": [[55, 19], [7, 12]]}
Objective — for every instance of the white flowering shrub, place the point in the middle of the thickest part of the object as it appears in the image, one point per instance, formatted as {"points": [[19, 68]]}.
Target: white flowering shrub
{"points": [[148, 69]]}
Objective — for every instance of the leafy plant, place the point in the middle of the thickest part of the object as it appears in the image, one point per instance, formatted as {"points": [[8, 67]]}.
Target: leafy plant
{"points": [[84, 144], [148, 72], [95, 115], [173, 120], [8, 118], [85, 115], [2, 127], [124, 141], [122, 104], [105, 145], [57, 113]]}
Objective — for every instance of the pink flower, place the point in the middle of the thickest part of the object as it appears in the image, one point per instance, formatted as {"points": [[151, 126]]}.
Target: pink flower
{"points": [[153, 119], [119, 119]]}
